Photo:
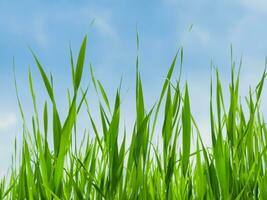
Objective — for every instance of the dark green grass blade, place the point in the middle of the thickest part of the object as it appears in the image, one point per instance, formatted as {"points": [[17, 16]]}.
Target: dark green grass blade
{"points": [[186, 122], [80, 64]]}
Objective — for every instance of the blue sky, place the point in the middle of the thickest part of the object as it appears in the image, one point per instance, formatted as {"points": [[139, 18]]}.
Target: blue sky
{"points": [[50, 27]]}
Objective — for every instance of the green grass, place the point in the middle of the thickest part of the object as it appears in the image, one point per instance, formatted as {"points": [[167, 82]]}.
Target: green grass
{"points": [[234, 167]]}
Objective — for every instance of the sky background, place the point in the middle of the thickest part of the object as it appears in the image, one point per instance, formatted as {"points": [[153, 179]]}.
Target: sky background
{"points": [[51, 27]]}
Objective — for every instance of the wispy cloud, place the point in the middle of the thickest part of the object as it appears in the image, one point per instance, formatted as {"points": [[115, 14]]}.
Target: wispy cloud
{"points": [[39, 32], [7, 121], [36, 26], [257, 5], [24, 28], [104, 27], [200, 34]]}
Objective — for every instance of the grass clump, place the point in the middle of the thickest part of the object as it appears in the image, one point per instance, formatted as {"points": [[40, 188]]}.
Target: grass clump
{"points": [[234, 167]]}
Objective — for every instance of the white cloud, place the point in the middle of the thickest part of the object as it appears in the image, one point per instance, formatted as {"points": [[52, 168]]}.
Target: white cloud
{"points": [[36, 29], [105, 27], [257, 5], [39, 33], [197, 34], [7, 121], [102, 21]]}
